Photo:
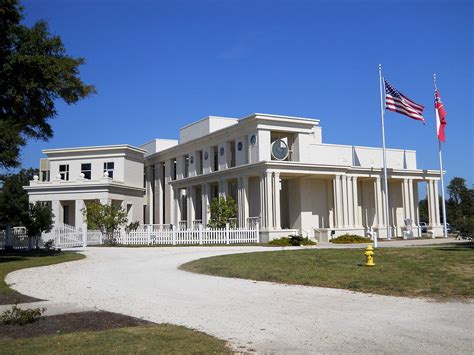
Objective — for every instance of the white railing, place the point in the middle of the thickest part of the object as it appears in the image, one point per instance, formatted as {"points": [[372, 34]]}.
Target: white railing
{"points": [[64, 236], [183, 225]]}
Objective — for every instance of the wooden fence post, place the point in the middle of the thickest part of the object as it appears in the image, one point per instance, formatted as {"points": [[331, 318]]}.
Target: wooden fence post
{"points": [[148, 234], [257, 231], [174, 234], [200, 234]]}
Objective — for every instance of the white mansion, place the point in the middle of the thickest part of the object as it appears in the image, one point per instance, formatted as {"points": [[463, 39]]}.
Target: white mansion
{"points": [[276, 167]]}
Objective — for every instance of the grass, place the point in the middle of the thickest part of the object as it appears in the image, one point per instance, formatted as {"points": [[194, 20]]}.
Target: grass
{"points": [[23, 259], [440, 273], [161, 338]]}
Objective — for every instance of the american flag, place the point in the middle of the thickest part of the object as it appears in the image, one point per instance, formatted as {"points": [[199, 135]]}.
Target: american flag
{"points": [[397, 102]]}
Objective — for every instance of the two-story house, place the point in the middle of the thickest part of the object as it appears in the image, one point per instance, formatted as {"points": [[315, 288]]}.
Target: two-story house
{"points": [[72, 176]]}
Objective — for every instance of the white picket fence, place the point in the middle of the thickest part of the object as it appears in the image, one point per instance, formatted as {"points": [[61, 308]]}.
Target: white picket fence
{"points": [[150, 235], [66, 236], [18, 237]]}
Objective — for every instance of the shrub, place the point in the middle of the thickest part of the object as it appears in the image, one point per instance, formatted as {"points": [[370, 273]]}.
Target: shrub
{"points": [[49, 244], [350, 239], [292, 240], [16, 315], [466, 227]]}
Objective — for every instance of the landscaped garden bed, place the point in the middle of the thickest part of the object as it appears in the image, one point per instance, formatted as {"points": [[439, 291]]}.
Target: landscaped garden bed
{"points": [[439, 272]]}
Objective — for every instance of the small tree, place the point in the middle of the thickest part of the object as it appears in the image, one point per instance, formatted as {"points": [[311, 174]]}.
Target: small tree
{"points": [[106, 218], [37, 220], [222, 209]]}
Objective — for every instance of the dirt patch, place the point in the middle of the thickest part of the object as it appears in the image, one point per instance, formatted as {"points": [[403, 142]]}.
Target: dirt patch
{"points": [[70, 323]]}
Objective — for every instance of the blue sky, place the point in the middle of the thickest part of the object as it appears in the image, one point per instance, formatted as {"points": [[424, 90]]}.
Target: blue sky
{"points": [[160, 65]]}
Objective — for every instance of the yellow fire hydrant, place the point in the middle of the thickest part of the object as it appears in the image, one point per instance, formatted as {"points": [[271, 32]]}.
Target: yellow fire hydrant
{"points": [[369, 256]]}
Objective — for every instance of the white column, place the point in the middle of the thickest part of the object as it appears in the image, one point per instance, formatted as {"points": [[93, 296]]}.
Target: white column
{"points": [[263, 212], [331, 202], [79, 217], [338, 209], [268, 199], [436, 203], [56, 208], [350, 202], [276, 200], [149, 194], [411, 200], [159, 200], [379, 203], [242, 201], [169, 195], [355, 199], [177, 207], [405, 199], [223, 188], [431, 203], [190, 206]]}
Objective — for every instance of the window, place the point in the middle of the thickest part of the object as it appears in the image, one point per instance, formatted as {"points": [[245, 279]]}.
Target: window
{"points": [[215, 162], [174, 169], [232, 153], [86, 170], [109, 169], [64, 172], [66, 214], [199, 162], [44, 175], [186, 166]]}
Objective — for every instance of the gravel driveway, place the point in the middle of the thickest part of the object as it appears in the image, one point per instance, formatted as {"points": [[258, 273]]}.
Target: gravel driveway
{"points": [[266, 317]]}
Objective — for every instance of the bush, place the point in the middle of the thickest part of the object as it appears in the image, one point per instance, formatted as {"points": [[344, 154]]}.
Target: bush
{"points": [[350, 239], [292, 240], [466, 227], [19, 316]]}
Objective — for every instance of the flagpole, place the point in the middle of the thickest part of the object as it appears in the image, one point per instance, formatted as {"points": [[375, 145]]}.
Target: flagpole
{"points": [[445, 229], [382, 112]]}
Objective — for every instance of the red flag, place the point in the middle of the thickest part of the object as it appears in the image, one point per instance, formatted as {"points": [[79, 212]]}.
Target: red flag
{"points": [[440, 117]]}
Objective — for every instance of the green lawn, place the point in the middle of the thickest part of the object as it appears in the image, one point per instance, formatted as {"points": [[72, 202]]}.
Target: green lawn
{"points": [[20, 260], [441, 272], [161, 338]]}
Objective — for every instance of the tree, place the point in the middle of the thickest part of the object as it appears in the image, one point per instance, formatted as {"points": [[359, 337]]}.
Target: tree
{"points": [[14, 198], [37, 219], [460, 205], [35, 72], [222, 209], [423, 210], [106, 218]]}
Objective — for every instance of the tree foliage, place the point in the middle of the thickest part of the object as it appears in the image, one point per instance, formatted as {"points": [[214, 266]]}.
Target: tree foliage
{"points": [[106, 218], [35, 72], [13, 197], [460, 206], [37, 219], [222, 209]]}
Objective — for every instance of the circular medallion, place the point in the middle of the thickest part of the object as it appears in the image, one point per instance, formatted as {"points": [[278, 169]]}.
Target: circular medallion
{"points": [[222, 151], [191, 159], [280, 150], [253, 139], [239, 146], [206, 155]]}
